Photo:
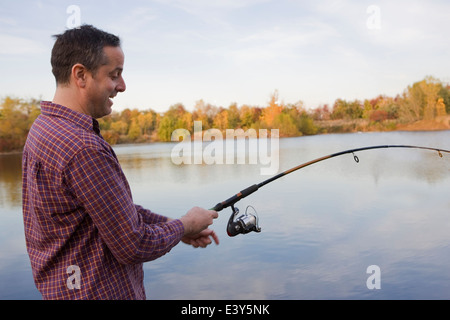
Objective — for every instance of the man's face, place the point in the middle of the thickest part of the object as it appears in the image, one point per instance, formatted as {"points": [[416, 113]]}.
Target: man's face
{"points": [[106, 83]]}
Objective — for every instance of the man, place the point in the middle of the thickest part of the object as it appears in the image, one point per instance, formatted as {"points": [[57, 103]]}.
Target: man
{"points": [[85, 237]]}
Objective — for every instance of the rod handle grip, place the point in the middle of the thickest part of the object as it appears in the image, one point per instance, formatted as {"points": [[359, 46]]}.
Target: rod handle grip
{"points": [[229, 202]]}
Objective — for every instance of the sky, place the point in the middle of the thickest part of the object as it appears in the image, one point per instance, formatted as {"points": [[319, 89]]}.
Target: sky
{"points": [[236, 51]]}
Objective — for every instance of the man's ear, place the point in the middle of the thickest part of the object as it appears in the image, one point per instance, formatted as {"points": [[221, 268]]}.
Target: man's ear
{"points": [[79, 74]]}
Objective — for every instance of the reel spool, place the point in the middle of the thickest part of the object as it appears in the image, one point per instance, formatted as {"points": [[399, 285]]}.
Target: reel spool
{"points": [[244, 223]]}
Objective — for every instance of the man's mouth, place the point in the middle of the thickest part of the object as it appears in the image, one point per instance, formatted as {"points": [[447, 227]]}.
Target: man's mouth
{"points": [[111, 98]]}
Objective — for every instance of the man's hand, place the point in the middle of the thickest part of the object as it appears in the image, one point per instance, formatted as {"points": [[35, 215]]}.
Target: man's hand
{"points": [[197, 219], [196, 232], [201, 239]]}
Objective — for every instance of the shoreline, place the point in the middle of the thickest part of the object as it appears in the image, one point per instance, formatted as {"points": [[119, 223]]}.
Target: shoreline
{"points": [[418, 126]]}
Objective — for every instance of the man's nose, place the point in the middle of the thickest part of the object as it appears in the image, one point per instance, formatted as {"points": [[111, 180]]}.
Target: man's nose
{"points": [[121, 87]]}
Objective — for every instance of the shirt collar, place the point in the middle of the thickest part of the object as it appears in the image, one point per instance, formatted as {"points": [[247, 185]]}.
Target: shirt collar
{"points": [[83, 120]]}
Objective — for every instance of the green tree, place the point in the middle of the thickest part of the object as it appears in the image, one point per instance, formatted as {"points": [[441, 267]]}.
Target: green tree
{"points": [[339, 109], [444, 93], [419, 100], [234, 120], [430, 87], [145, 122], [343, 109], [134, 132], [286, 124], [307, 126], [120, 126], [368, 109], [175, 118]]}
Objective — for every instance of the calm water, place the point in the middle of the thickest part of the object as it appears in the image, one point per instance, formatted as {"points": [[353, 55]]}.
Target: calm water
{"points": [[322, 226]]}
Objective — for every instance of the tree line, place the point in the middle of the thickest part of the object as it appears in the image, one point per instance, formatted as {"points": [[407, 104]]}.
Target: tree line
{"points": [[428, 99]]}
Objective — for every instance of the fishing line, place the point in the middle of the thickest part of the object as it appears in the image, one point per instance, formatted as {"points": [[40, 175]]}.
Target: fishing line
{"points": [[248, 222]]}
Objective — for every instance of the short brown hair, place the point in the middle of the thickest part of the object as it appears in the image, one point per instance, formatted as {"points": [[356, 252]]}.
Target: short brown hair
{"points": [[80, 45]]}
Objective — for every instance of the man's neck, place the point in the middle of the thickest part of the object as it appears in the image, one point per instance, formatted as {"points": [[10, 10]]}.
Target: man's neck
{"points": [[66, 96]]}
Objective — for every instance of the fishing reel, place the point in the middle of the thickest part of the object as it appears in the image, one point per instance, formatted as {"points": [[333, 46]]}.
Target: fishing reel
{"points": [[244, 223]]}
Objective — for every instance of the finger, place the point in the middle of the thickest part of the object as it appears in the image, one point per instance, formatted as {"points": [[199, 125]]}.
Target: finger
{"points": [[205, 242], [215, 237], [214, 214], [194, 243], [212, 234]]}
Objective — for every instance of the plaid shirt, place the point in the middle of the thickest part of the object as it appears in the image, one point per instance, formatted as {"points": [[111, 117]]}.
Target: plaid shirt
{"points": [[85, 237]]}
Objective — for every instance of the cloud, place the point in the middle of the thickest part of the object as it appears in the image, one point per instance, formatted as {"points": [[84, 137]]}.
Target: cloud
{"points": [[413, 25], [213, 13], [13, 45], [285, 41], [136, 19], [8, 21], [192, 5]]}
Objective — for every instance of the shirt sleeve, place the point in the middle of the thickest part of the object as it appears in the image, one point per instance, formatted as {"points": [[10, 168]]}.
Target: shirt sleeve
{"points": [[132, 234], [149, 216]]}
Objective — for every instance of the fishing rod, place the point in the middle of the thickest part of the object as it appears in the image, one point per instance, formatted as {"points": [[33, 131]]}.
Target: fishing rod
{"points": [[248, 222]]}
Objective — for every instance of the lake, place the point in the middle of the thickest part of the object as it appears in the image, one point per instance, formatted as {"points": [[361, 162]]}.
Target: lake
{"points": [[377, 229]]}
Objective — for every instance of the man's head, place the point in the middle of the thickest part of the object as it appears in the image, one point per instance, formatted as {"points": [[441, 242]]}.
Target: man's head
{"points": [[80, 45], [89, 62]]}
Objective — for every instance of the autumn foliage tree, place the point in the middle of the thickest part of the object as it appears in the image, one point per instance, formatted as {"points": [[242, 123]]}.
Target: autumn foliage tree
{"points": [[426, 99], [419, 101], [16, 118]]}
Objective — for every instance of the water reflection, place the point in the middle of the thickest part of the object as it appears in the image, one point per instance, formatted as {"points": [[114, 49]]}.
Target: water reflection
{"points": [[10, 180], [321, 226]]}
